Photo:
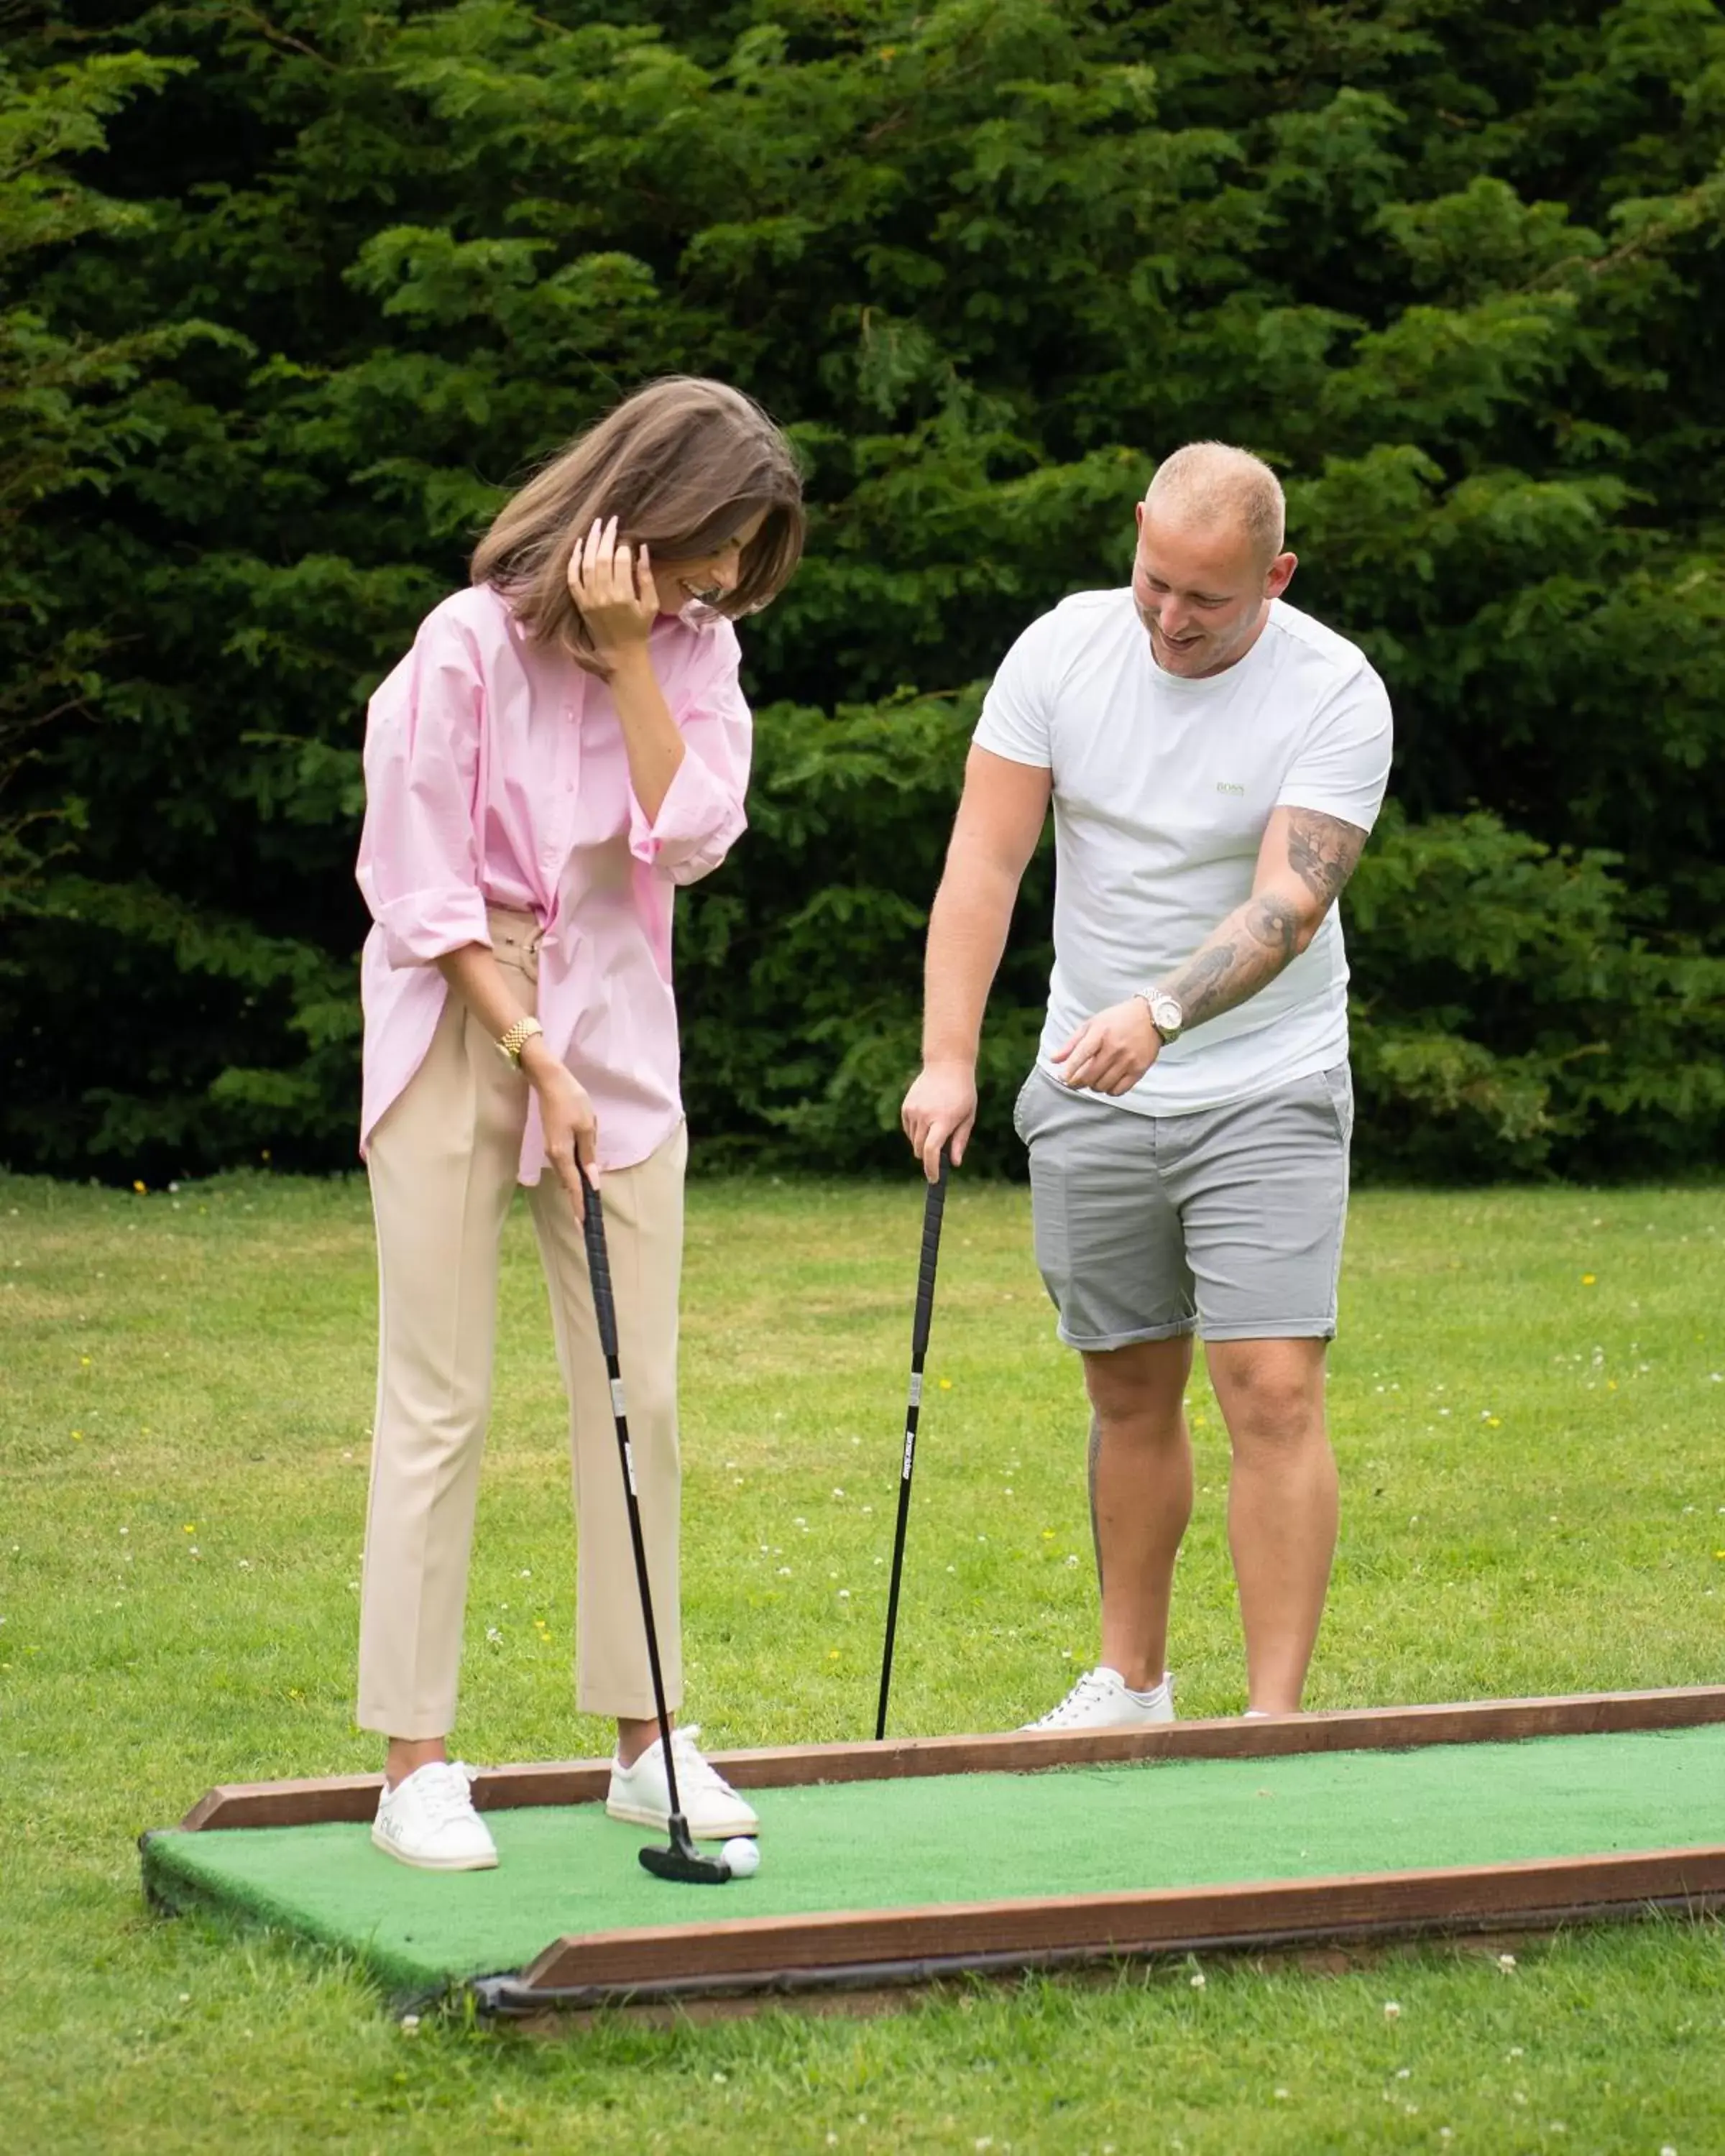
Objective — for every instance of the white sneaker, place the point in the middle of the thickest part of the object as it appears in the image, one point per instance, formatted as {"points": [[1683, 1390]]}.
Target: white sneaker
{"points": [[1101, 1700], [712, 1808], [428, 1819]]}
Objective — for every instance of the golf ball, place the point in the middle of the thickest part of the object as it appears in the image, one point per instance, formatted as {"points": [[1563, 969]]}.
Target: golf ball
{"points": [[742, 1857]]}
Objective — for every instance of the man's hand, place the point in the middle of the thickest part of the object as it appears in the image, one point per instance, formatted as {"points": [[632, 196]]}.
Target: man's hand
{"points": [[572, 1129], [940, 1109], [1112, 1051], [613, 585]]}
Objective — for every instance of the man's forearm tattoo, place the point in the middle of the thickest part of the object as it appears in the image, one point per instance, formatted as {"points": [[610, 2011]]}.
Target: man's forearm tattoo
{"points": [[1251, 947], [1274, 923], [1259, 938], [1322, 851], [1205, 984]]}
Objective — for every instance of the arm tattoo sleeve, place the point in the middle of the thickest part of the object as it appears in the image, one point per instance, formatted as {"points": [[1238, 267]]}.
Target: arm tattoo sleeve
{"points": [[1207, 982], [1323, 852], [1250, 947], [1271, 921]]}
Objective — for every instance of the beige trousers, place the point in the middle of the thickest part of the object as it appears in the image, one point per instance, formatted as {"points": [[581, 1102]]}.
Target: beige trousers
{"points": [[443, 1163]]}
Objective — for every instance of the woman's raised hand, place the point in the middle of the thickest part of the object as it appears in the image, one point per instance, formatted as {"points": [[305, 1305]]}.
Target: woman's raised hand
{"points": [[612, 583]]}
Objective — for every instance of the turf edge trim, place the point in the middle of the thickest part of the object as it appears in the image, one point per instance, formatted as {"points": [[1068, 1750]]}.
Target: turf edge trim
{"points": [[353, 1798], [509, 1995], [860, 1946]]}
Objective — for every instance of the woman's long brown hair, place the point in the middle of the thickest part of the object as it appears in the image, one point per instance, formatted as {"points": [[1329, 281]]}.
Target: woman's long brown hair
{"points": [[682, 464]]}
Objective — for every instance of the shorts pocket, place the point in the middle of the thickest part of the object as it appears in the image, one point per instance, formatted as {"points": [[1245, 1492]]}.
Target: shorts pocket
{"points": [[1339, 1083], [1021, 1120]]}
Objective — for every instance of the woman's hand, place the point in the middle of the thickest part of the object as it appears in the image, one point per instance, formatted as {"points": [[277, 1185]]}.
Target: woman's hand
{"points": [[572, 1129], [612, 583]]}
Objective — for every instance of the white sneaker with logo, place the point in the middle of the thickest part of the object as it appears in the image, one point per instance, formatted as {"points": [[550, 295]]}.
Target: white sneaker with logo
{"points": [[428, 1819], [1101, 1700], [712, 1808]]}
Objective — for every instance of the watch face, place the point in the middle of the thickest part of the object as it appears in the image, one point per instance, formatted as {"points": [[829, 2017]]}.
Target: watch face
{"points": [[1166, 1014]]}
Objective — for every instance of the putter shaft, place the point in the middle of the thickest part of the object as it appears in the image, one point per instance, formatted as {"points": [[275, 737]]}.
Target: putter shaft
{"points": [[681, 1860], [934, 1207]]}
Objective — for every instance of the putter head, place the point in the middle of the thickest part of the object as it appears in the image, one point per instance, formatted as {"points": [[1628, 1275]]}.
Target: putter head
{"points": [[691, 1870], [683, 1862]]}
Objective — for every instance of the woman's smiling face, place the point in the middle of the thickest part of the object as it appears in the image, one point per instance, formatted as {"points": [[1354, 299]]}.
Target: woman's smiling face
{"points": [[705, 577]]}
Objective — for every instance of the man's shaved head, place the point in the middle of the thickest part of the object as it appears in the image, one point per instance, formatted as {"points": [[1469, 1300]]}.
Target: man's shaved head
{"points": [[1209, 558], [1213, 483]]}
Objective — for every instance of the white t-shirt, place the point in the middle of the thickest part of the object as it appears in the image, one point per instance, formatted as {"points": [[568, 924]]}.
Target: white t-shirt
{"points": [[1163, 788]]}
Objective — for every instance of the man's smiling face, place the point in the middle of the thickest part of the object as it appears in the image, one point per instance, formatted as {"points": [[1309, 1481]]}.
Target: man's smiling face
{"points": [[1202, 589]]}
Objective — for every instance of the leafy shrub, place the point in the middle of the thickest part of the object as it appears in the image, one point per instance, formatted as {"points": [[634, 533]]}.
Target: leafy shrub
{"points": [[291, 295]]}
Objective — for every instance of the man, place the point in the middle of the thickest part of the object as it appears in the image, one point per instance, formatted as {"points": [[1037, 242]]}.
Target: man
{"points": [[1215, 759]]}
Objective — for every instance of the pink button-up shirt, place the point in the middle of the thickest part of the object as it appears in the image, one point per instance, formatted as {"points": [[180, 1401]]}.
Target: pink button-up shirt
{"points": [[496, 774]]}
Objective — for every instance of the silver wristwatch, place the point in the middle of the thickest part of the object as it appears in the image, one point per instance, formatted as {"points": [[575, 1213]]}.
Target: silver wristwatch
{"points": [[1166, 1015]]}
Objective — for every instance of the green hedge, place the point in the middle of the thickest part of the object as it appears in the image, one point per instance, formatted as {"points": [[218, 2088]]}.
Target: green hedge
{"points": [[292, 291]]}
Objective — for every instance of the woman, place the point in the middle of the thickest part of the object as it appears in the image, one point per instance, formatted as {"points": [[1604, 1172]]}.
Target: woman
{"points": [[565, 743]]}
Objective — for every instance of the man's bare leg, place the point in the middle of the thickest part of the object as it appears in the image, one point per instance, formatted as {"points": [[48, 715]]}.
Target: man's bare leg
{"points": [[1281, 1506], [1140, 1496]]}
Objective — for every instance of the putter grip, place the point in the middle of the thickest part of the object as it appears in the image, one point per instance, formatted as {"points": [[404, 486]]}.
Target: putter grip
{"points": [[931, 1213], [598, 1268]]}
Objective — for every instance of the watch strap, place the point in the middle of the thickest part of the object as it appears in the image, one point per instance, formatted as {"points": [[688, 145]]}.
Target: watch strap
{"points": [[516, 1039], [1150, 999]]}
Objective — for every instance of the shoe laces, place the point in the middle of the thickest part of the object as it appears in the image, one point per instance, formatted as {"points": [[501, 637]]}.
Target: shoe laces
{"points": [[694, 1771], [1092, 1686], [446, 1791]]}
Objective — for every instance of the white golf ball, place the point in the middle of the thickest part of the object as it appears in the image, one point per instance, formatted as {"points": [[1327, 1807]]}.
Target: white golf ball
{"points": [[741, 1857]]}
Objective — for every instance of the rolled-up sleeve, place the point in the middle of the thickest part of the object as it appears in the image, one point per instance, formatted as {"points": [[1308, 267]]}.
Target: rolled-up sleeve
{"points": [[418, 865], [702, 816]]}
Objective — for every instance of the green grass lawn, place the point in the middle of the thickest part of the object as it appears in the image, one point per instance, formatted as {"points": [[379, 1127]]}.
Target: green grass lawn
{"points": [[1527, 1399]]}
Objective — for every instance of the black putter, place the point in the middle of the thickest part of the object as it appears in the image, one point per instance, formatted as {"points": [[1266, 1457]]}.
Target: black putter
{"points": [[682, 1860], [934, 1205]]}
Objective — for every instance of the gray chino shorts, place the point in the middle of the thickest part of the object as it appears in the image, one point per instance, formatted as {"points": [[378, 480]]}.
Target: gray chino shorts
{"points": [[1227, 1222]]}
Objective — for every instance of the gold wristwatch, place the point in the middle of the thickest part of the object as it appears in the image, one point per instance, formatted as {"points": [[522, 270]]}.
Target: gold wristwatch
{"points": [[516, 1038]]}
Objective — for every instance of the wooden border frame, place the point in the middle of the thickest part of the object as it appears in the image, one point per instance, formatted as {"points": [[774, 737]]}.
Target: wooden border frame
{"points": [[756, 1958], [354, 1797], [774, 1952]]}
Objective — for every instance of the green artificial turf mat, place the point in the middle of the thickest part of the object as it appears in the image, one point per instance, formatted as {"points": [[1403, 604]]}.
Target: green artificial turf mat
{"points": [[974, 1838]]}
